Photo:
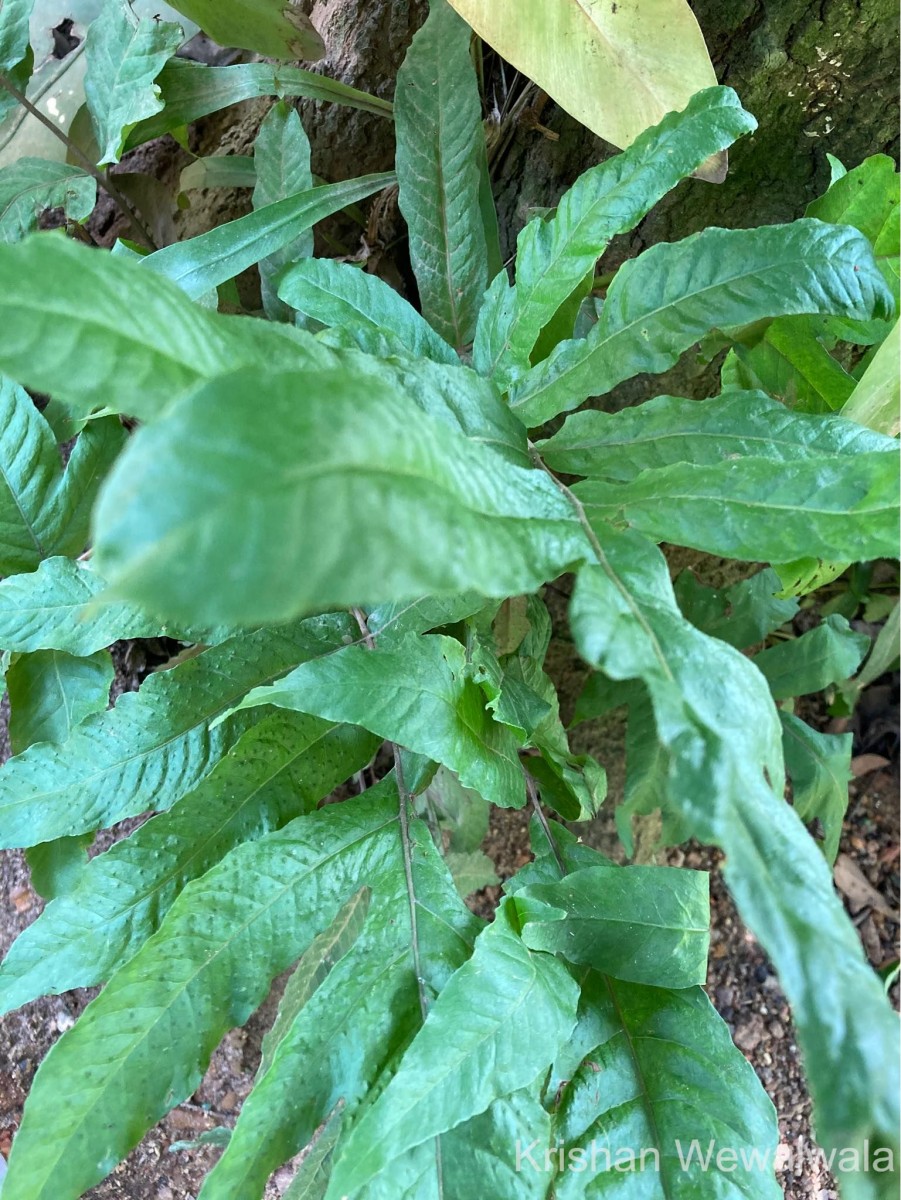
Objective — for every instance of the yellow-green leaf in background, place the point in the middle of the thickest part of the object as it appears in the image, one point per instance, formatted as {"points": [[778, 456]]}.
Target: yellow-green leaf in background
{"points": [[277, 28], [876, 401]]}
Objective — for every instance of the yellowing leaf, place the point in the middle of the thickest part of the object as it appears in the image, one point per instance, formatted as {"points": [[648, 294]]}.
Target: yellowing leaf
{"points": [[616, 67]]}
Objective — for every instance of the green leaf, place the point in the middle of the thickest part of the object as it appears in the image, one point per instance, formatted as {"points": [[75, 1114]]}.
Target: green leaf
{"points": [[337, 293], [556, 254], [222, 942], [156, 745], [276, 771], [30, 186], [51, 692], [791, 363], [839, 508], [394, 493], [124, 54], [827, 654], [281, 157], [191, 90], [669, 429], [659, 304], [356, 1023], [476, 1045], [714, 715], [644, 924], [219, 170], [269, 27], [741, 614], [653, 1092], [462, 816], [55, 608], [819, 765], [418, 694], [16, 57], [876, 400], [72, 340], [210, 259], [438, 121], [55, 867], [44, 511]]}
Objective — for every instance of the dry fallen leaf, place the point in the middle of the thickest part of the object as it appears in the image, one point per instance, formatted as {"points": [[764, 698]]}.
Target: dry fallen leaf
{"points": [[859, 892]]}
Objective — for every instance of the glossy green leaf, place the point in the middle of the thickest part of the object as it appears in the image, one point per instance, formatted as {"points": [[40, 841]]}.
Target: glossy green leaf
{"points": [[281, 158], [156, 744], [394, 494], [210, 259], [43, 510], [669, 429], [438, 120], [839, 508], [662, 302], [741, 614], [222, 942], [191, 90], [51, 692], [275, 771], [337, 293], [714, 715], [270, 27], [124, 54], [477, 1043], [417, 694], [829, 653], [876, 401], [30, 186], [644, 924], [819, 765], [555, 254]]}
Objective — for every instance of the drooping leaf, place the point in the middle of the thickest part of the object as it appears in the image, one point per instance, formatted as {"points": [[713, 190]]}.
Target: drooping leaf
{"points": [[30, 186], [210, 259], [50, 693], [155, 745], [276, 771], [222, 942], [392, 492], [741, 614], [478, 1043], [839, 508], [876, 401], [438, 120], [713, 713], [555, 254], [644, 924], [124, 54], [670, 429], [336, 293], [617, 68], [281, 158], [191, 90], [829, 653], [659, 304], [819, 765], [417, 694], [270, 27]]}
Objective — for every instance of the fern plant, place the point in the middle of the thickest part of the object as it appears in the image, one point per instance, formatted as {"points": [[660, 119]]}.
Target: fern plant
{"points": [[349, 513]]}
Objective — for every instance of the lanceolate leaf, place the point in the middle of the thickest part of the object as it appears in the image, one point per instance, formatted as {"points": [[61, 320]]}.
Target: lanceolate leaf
{"points": [[269, 27], [827, 654], [555, 254], [661, 303], [417, 694], [792, 364], [225, 938], [876, 400], [193, 90], [156, 744], [478, 1043], [616, 68], [336, 293], [281, 157], [204, 262], [30, 186], [51, 692], [124, 54], [393, 495], [276, 771], [835, 508], [438, 118], [819, 765], [713, 714]]}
